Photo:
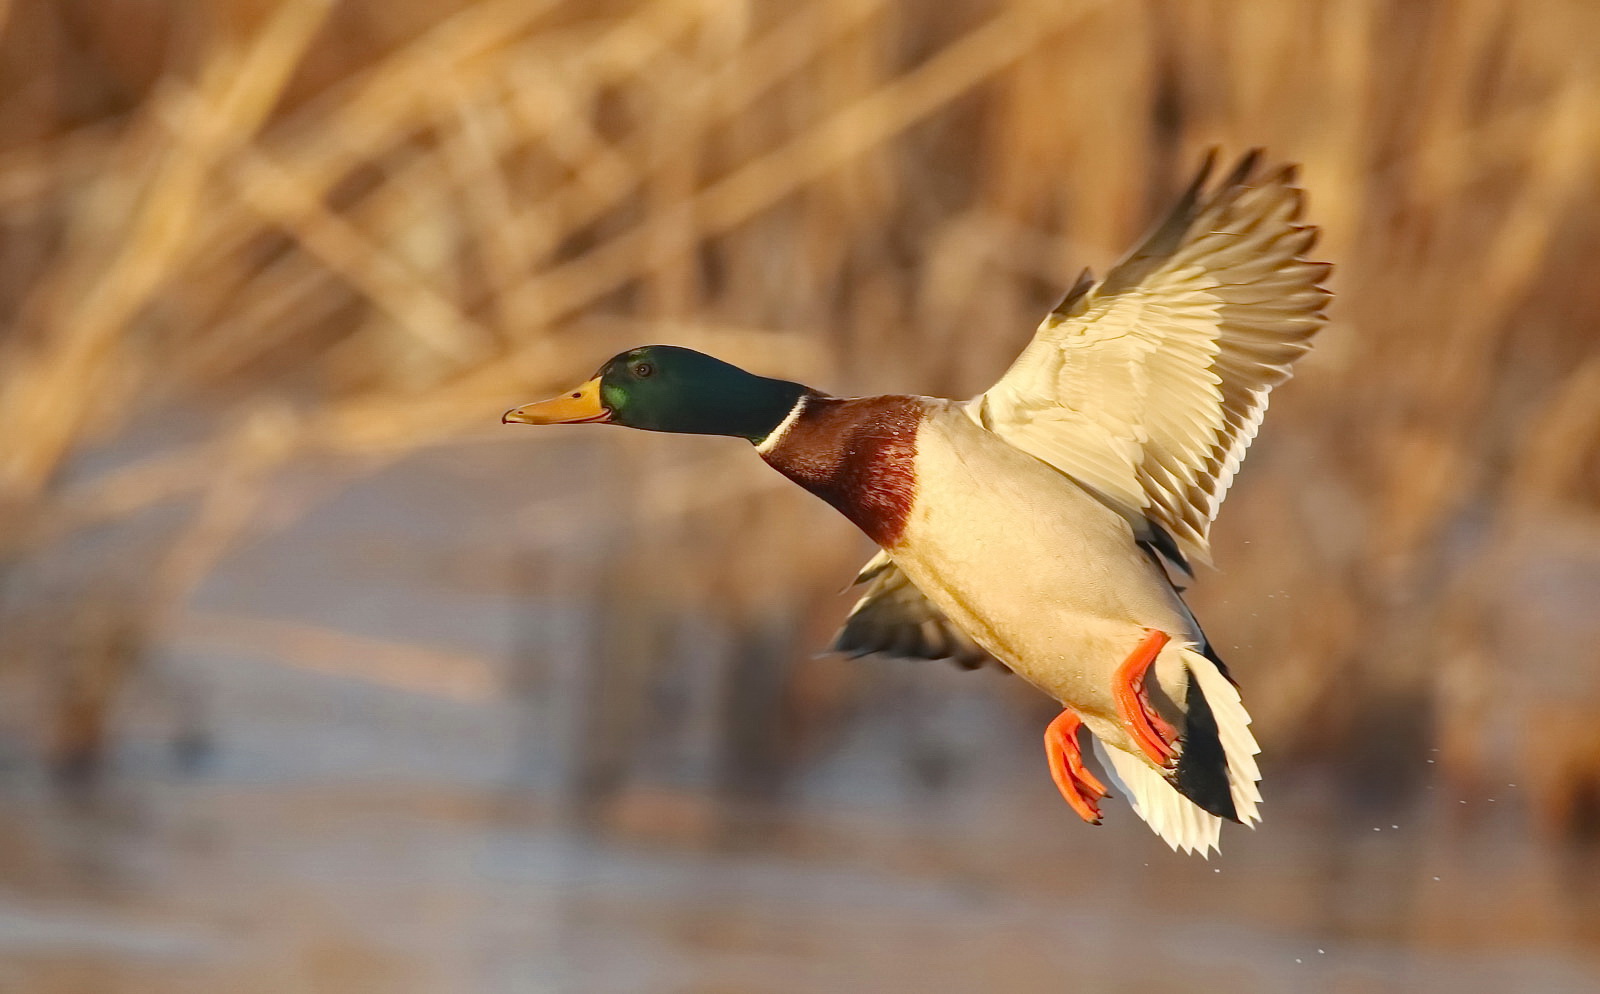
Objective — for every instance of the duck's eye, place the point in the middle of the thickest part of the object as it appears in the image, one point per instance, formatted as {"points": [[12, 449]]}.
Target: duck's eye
{"points": [[643, 370]]}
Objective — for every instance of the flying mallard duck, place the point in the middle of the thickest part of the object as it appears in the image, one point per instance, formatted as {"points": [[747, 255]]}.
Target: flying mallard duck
{"points": [[1037, 522]]}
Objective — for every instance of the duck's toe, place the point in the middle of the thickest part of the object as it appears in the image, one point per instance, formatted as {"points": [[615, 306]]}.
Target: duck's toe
{"points": [[1081, 788]]}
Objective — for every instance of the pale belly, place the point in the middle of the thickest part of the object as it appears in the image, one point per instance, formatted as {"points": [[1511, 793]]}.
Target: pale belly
{"points": [[1038, 572]]}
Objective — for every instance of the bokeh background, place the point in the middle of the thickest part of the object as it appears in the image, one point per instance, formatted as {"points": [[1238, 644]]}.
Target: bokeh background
{"points": [[314, 677]]}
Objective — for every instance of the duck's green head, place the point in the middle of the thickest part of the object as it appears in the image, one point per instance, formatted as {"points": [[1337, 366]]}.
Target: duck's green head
{"points": [[667, 388]]}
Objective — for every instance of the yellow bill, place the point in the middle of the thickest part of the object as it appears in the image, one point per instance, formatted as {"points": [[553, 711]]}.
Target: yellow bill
{"points": [[579, 406]]}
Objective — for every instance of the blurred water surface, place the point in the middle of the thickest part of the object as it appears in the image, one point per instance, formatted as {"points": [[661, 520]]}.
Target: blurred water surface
{"points": [[346, 830]]}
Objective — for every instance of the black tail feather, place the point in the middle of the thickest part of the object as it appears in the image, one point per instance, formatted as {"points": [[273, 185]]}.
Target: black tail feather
{"points": [[1202, 774], [1207, 651]]}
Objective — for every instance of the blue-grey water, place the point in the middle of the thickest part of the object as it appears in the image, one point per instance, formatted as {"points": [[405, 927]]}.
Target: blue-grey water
{"points": [[365, 795]]}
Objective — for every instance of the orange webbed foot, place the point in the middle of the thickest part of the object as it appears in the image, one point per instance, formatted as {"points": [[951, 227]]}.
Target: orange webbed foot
{"points": [[1152, 733], [1081, 788]]}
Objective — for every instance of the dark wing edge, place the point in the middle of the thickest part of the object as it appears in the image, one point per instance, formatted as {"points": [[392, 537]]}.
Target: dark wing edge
{"points": [[895, 619], [1170, 233]]}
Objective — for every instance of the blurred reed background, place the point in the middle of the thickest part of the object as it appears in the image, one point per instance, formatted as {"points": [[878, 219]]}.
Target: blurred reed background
{"points": [[271, 270]]}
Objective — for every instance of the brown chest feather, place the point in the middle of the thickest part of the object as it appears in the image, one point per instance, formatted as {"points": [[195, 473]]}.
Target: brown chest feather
{"points": [[859, 456]]}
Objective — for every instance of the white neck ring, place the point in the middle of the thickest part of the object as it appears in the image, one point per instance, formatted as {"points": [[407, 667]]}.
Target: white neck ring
{"points": [[775, 437]]}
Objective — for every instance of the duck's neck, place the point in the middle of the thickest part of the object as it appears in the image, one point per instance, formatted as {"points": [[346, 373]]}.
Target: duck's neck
{"points": [[735, 403], [858, 455]]}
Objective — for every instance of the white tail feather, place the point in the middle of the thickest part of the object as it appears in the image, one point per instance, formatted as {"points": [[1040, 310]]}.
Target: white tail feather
{"points": [[1181, 823], [1233, 727]]}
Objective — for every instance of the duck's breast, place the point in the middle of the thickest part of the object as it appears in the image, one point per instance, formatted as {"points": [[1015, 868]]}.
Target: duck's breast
{"points": [[858, 454], [1039, 572]]}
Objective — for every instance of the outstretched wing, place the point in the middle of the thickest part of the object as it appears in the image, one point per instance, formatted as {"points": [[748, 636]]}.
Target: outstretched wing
{"points": [[1147, 388], [894, 618]]}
